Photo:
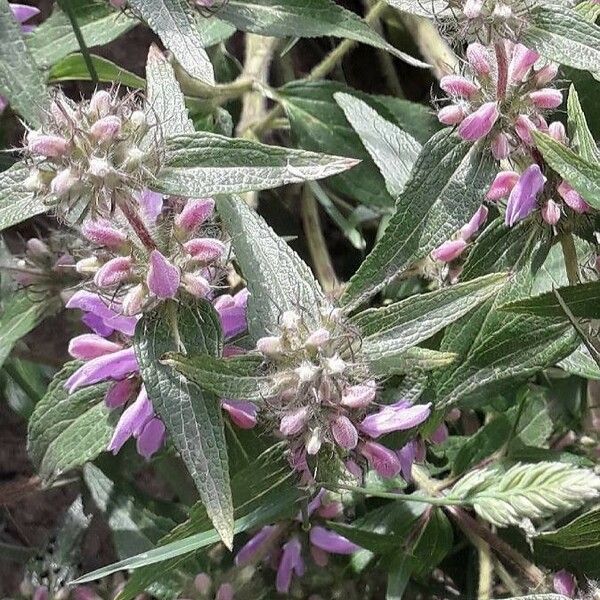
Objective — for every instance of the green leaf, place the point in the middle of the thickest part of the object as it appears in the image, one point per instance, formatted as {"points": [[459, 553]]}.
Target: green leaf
{"points": [[319, 124], [582, 532], [305, 18], [171, 21], [278, 280], [581, 363], [581, 136], [206, 164], [583, 176], [54, 38], [165, 101], [434, 543], [447, 185], [67, 430], [396, 327], [406, 361], [561, 34], [193, 418], [20, 79], [73, 67], [526, 491], [583, 301], [17, 203], [399, 574], [393, 150], [430, 8], [222, 377], [134, 527], [21, 313]]}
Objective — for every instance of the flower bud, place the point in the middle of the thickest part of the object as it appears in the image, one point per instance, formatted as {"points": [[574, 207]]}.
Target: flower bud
{"points": [[290, 320], [500, 146], [243, 414], [205, 249], [449, 250], [34, 182], [270, 345], [522, 60], [38, 249], [50, 146], [475, 224], [359, 396], [90, 345], [547, 98], [524, 128], [503, 184], [100, 104], [293, 423], [203, 583], [479, 58], [551, 212], [479, 123], [87, 266], [558, 132], [163, 278], [98, 167], [63, 182], [225, 592], [564, 583], [106, 129], [134, 300], [314, 441], [546, 74], [196, 285], [472, 8], [335, 365], [138, 119], [306, 372], [572, 198], [194, 213], [113, 272], [330, 541], [382, 459], [344, 433], [102, 233], [455, 85], [451, 115], [318, 338]]}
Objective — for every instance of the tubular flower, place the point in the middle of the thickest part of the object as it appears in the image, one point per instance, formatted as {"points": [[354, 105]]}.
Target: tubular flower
{"points": [[324, 402], [156, 250], [109, 357], [501, 102], [87, 158]]}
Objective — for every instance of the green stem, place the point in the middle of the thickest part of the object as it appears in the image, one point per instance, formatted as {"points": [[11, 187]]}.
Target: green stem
{"points": [[486, 572], [570, 255], [67, 8]]}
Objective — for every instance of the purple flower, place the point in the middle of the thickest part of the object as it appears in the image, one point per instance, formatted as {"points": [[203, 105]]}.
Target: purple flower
{"points": [[291, 562], [151, 204], [232, 312], [151, 438], [163, 278], [243, 414], [475, 224], [132, 421], [382, 459], [331, 542], [104, 317], [255, 545], [450, 250], [479, 123], [564, 583], [395, 417], [523, 197]]}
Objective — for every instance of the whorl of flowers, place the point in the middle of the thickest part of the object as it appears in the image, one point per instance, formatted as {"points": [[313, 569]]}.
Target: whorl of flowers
{"points": [[89, 157], [326, 400], [502, 96]]}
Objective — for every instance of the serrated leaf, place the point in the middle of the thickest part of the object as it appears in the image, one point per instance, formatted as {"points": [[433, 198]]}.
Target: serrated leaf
{"points": [[305, 18], [171, 21], [21, 81], [319, 124], [165, 101], [393, 150], [222, 377], [67, 430], [73, 67], [583, 176], [526, 491], [192, 418], [581, 136], [16, 203], [206, 164], [447, 185], [583, 301], [563, 35], [581, 363], [99, 24], [582, 532], [395, 328], [277, 278]]}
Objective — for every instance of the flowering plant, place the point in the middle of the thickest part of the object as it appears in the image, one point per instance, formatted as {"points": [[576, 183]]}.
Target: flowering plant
{"points": [[243, 420]]}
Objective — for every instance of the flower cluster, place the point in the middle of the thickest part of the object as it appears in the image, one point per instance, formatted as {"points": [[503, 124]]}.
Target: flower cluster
{"points": [[325, 397], [89, 157], [154, 249], [502, 96]]}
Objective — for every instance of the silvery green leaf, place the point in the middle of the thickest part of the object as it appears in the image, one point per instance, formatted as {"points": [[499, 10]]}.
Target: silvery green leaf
{"points": [[581, 136], [67, 430], [193, 418], [213, 31], [393, 150], [305, 18], [277, 278], [446, 187], [526, 491], [21, 81], [171, 20], [407, 361], [17, 203], [54, 39], [581, 363], [206, 164], [422, 8]]}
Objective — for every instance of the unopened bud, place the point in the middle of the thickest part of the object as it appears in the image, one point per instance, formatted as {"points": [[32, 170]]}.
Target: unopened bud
{"points": [[100, 104], [38, 249], [344, 433], [50, 146], [451, 115], [551, 212], [205, 249], [194, 213], [479, 123], [522, 60], [113, 272], [138, 119], [557, 130], [134, 300], [98, 167], [449, 251], [546, 74], [359, 396], [314, 441], [547, 98], [290, 320], [472, 8], [479, 58], [34, 182], [163, 277], [500, 146], [203, 583], [318, 338], [106, 129], [306, 372], [102, 233], [456, 85], [270, 345], [196, 285], [335, 365], [293, 422], [87, 266], [63, 182], [525, 127]]}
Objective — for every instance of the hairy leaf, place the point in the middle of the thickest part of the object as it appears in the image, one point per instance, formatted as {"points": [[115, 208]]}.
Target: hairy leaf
{"points": [[17, 203], [582, 532], [581, 136]]}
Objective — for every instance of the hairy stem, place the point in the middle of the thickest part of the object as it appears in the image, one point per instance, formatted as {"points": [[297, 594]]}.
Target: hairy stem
{"points": [[567, 244], [138, 226], [502, 61]]}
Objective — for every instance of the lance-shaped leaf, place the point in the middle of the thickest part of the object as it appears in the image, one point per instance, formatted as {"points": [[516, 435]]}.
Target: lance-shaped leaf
{"points": [[393, 150], [171, 20], [581, 363], [489, 359], [429, 8], [581, 136], [21, 81], [17, 203], [407, 361], [526, 491], [278, 279], [582, 532], [563, 35], [165, 101], [583, 301], [305, 18], [207, 164], [227, 378], [395, 328], [584, 176], [193, 418], [54, 39], [67, 430], [447, 185]]}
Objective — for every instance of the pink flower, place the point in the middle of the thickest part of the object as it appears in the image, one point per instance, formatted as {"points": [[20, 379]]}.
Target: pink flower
{"points": [[113, 272], [551, 212], [132, 421], [475, 224], [449, 250], [194, 213], [380, 458], [205, 249], [500, 146], [106, 129], [163, 278], [546, 98], [242, 413], [344, 433], [524, 128], [151, 438], [502, 185], [523, 197], [564, 583], [232, 312], [572, 198], [359, 396], [102, 232], [90, 345], [50, 146], [479, 58], [522, 60], [395, 417], [456, 85], [479, 123], [451, 115]]}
